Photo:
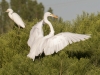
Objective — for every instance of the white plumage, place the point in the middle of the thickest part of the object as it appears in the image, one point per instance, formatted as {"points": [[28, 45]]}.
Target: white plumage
{"points": [[61, 40], [16, 18], [35, 33], [51, 43]]}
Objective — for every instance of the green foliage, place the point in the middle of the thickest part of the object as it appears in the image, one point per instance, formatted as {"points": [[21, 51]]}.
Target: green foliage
{"points": [[50, 10], [3, 17], [82, 58]]}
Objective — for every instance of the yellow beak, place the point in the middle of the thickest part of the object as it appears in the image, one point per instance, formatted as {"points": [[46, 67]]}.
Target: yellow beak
{"points": [[54, 16]]}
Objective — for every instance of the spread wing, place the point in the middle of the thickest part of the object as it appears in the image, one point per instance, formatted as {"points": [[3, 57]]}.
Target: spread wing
{"points": [[35, 33], [59, 41], [18, 20]]}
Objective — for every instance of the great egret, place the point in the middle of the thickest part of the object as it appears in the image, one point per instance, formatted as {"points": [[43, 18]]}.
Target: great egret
{"points": [[16, 18], [53, 43]]}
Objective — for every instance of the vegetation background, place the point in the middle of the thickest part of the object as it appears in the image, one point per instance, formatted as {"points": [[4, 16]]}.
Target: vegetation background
{"points": [[82, 58]]}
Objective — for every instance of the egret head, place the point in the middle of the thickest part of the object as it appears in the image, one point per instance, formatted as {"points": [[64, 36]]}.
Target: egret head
{"points": [[9, 10], [50, 14]]}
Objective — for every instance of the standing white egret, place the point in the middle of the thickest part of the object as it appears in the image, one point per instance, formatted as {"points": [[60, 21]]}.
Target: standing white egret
{"points": [[16, 18], [53, 43]]}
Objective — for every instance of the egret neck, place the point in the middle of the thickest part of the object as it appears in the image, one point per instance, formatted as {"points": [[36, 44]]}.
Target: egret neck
{"points": [[51, 27], [10, 14]]}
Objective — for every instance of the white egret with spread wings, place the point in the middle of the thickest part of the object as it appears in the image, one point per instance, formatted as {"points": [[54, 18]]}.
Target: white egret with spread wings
{"points": [[50, 43]]}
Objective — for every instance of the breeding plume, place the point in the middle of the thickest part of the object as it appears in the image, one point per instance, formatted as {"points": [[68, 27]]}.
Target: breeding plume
{"points": [[16, 18], [50, 43]]}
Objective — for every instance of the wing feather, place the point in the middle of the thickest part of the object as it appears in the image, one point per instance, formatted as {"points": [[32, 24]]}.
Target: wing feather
{"points": [[59, 41], [35, 33]]}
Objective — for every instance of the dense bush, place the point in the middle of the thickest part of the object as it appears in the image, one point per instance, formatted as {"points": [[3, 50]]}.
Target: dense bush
{"points": [[82, 58]]}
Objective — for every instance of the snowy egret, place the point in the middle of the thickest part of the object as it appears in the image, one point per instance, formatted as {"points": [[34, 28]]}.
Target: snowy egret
{"points": [[16, 18], [53, 43]]}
